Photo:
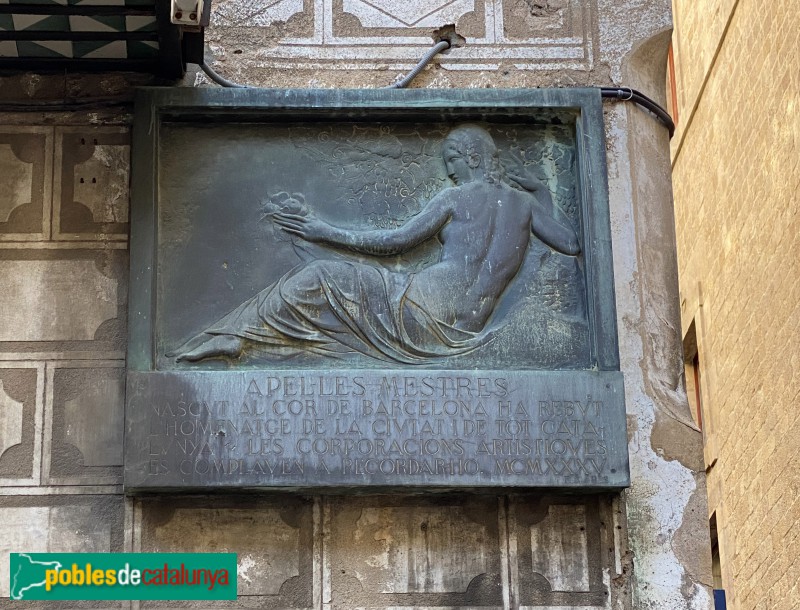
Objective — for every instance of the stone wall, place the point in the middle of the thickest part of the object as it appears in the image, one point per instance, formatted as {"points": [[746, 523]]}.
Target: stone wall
{"points": [[63, 269], [736, 182]]}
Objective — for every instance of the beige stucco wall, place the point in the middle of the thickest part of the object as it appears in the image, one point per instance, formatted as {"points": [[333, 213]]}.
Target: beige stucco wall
{"points": [[736, 180], [63, 266]]}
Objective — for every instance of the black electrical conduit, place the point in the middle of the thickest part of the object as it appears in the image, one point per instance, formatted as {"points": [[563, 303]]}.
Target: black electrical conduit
{"points": [[626, 94], [623, 94]]}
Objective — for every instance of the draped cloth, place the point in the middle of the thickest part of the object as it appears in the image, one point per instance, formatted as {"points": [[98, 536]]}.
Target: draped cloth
{"points": [[332, 307]]}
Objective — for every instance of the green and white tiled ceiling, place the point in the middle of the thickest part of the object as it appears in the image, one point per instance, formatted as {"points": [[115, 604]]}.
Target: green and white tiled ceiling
{"points": [[89, 34]]}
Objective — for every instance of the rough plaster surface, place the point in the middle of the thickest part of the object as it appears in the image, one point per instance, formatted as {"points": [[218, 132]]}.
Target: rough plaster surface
{"points": [[644, 549], [665, 478]]}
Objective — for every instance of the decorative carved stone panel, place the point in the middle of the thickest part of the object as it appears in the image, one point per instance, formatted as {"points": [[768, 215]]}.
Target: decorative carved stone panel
{"points": [[26, 166], [365, 34], [345, 289], [385, 14], [558, 558], [273, 540], [11, 427], [20, 423], [92, 183], [412, 552], [63, 300], [85, 430]]}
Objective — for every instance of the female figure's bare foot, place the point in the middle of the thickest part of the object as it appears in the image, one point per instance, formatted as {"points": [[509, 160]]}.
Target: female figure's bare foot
{"points": [[191, 344], [217, 346]]}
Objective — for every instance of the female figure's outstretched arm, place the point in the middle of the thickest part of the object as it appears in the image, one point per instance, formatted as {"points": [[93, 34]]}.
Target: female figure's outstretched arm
{"points": [[548, 221], [380, 242]]}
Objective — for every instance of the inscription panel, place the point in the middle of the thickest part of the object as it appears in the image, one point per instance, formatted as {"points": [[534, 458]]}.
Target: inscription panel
{"points": [[383, 428]]}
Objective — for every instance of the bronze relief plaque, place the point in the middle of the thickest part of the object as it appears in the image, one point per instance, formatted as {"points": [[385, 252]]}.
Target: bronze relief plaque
{"points": [[372, 289]]}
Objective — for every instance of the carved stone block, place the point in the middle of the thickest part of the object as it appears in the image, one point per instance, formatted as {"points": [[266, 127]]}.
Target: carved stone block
{"points": [[73, 312], [273, 539], [59, 524], [20, 423], [86, 426], [11, 427], [62, 300], [92, 183], [26, 158], [410, 552], [558, 559]]}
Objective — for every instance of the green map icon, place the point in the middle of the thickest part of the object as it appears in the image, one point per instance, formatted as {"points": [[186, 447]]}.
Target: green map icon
{"points": [[28, 573]]}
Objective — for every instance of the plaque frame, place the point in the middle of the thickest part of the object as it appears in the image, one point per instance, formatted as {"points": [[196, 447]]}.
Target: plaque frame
{"points": [[157, 106]]}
